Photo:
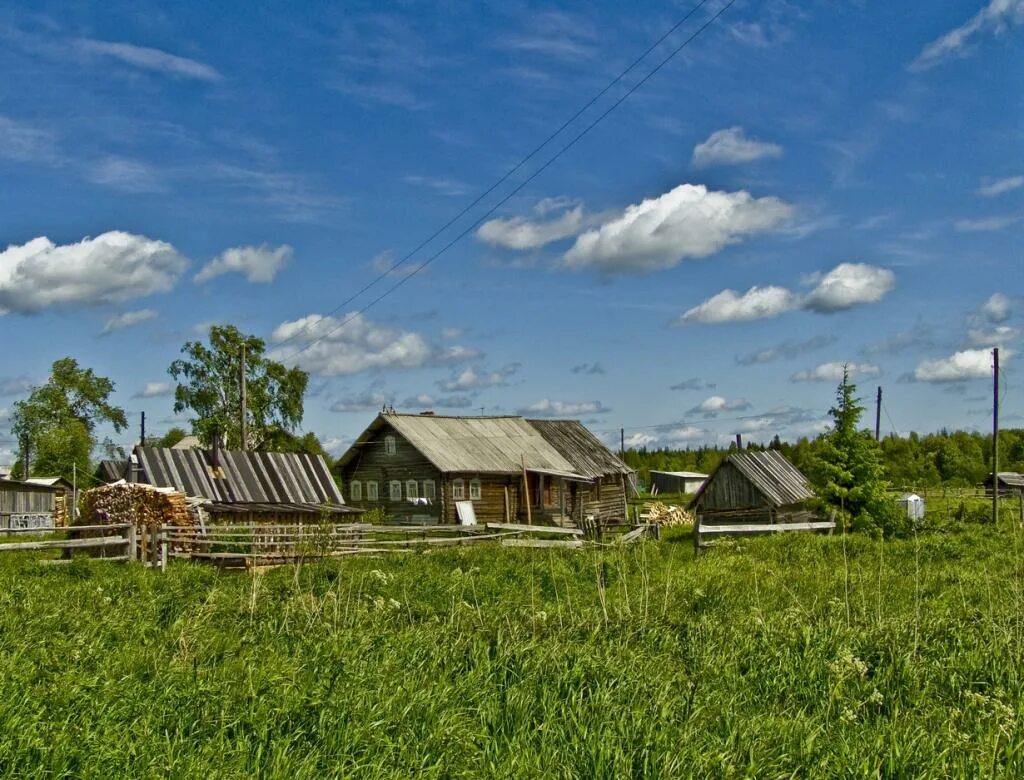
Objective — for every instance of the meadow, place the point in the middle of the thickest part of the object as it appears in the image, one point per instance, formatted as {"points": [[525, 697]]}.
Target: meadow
{"points": [[801, 656]]}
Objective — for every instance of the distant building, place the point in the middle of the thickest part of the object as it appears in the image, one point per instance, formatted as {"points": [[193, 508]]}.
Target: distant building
{"points": [[912, 505], [28, 505], [1009, 482], [676, 481], [422, 467]]}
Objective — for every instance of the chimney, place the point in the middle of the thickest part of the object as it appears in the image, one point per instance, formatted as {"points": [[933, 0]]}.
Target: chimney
{"points": [[739, 442]]}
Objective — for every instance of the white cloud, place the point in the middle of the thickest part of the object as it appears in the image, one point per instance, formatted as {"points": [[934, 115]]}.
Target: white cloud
{"points": [[471, 379], [998, 308], [548, 408], [155, 390], [689, 221], [845, 286], [15, 385], [258, 264], [127, 319], [684, 433], [992, 187], [713, 405], [385, 263], [450, 188], [522, 233], [112, 268], [637, 441], [151, 59], [21, 142], [366, 401], [352, 344], [848, 285], [336, 445], [732, 146], [787, 349], [1000, 334], [427, 401], [966, 364], [757, 303], [125, 175], [833, 372], [986, 224], [993, 18]]}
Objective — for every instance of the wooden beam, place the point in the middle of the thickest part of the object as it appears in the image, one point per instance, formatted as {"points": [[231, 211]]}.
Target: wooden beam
{"points": [[536, 529], [526, 493], [571, 544], [763, 528], [66, 544]]}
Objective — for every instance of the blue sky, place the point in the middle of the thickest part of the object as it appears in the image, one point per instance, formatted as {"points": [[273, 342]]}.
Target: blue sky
{"points": [[803, 185]]}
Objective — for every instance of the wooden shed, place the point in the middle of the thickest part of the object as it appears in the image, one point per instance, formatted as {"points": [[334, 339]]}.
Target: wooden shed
{"points": [[421, 467], [27, 505], [753, 487], [676, 481], [1010, 483]]}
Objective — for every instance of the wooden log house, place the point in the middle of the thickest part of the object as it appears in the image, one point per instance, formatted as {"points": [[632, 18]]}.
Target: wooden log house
{"points": [[417, 467]]}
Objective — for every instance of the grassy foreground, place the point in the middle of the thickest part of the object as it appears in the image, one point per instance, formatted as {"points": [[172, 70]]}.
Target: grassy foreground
{"points": [[800, 656]]}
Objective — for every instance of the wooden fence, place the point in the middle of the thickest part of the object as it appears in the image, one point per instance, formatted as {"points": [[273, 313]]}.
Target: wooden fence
{"points": [[119, 540]]}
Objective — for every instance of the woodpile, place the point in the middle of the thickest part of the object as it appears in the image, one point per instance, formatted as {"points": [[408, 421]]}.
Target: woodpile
{"points": [[666, 514], [145, 506]]}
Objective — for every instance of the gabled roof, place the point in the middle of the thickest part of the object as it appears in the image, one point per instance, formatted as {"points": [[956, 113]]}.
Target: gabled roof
{"points": [[778, 480], [13, 484], [587, 454], [489, 445], [248, 477], [1008, 478], [54, 482], [683, 474]]}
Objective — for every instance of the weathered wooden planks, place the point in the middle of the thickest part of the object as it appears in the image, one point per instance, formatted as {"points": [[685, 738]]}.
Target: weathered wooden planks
{"points": [[571, 544]]}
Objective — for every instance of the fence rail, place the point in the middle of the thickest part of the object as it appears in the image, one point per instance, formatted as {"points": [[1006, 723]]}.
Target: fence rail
{"points": [[125, 539]]}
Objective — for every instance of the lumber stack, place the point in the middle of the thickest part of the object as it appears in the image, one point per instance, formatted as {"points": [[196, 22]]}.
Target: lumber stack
{"points": [[666, 515]]}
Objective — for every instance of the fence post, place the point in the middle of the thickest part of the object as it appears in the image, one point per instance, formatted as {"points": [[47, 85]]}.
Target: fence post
{"points": [[154, 548], [131, 542], [163, 550]]}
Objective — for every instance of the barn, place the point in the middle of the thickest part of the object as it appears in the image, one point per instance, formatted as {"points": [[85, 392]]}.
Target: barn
{"points": [[29, 505], [260, 487], [1010, 483], [676, 481], [753, 487], [421, 467]]}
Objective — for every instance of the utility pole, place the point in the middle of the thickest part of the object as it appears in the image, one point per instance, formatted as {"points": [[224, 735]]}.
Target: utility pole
{"points": [[878, 415], [142, 433], [622, 443], [242, 402], [995, 435]]}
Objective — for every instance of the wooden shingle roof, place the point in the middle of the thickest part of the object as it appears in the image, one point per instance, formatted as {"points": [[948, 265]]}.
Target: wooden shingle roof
{"points": [[587, 454], [779, 481]]}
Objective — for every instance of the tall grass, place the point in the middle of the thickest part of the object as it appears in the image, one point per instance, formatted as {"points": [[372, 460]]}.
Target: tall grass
{"points": [[797, 656]]}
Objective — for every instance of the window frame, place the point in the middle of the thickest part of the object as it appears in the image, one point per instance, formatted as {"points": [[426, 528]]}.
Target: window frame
{"points": [[391, 489], [372, 490], [458, 490], [476, 490], [355, 490], [430, 490], [390, 445], [412, 489]]}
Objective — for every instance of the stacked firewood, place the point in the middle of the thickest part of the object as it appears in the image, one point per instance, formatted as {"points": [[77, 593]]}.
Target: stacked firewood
{"points": [[666, 514], [146, 507]]}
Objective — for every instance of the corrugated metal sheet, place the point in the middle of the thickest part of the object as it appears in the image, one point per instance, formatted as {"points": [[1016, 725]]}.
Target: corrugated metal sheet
{"points": [[247, 477], [771, 474], [580, 447], [486, 445]]}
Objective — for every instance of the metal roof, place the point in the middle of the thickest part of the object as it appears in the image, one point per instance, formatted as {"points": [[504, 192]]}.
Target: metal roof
{"points": [[587, 454], [13, 484], [778, 480], [1008, 478], [495, 445], [244, 477], [685, 474]]}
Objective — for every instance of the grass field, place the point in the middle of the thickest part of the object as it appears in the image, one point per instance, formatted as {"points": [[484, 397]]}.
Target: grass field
{"points": [[798, 656]]}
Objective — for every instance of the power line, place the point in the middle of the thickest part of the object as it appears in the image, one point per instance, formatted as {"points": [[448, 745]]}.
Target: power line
{"points": [[508, 174], [518, 187]]}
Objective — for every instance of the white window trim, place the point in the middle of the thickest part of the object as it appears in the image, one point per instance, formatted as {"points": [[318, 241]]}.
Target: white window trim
{"points": [[391, 490], [429, 490], [458, 490], [390, 445], [355, 490], [372, 490], [412, 488], [475, 490]]}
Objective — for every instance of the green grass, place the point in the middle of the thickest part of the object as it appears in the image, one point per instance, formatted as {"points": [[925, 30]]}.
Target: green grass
{"points": [[788, 657]]}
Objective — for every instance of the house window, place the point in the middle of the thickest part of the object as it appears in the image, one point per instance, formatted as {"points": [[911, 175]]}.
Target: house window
{"points": [[371, 490], [395, 490], [474, 489], [429, 490], [458, 489], [356, 490], [412, 489], [390, 445]]}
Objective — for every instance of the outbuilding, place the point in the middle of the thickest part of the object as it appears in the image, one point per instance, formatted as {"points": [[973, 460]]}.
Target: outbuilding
{"points": [[27, 505], [912, 505], [676, 481]]}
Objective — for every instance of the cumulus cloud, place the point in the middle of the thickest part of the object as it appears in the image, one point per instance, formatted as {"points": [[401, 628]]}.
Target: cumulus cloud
{"points": [[636, 441], [155, 390], [732, 146], [473, 379], [998, 308], [786, 350], [992, 187], [353, 343], [715, 404], [960, 366], [995, 336], [128, 319], [112, 268], [336, 445], [845, 286], [689, 221], [848, 285], [683, 433], [522, 233], [257, 263], [994, 18], [366, 401], [549, 408], [757, 303], [833, 372], [589, 369], [146, 58]]}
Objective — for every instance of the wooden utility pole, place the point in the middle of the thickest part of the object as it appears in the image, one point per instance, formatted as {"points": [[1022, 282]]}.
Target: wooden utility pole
{"points": [[526, 494], [878, 415], [622, 443], [995, 435], [142, 431], [242, 402]]}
